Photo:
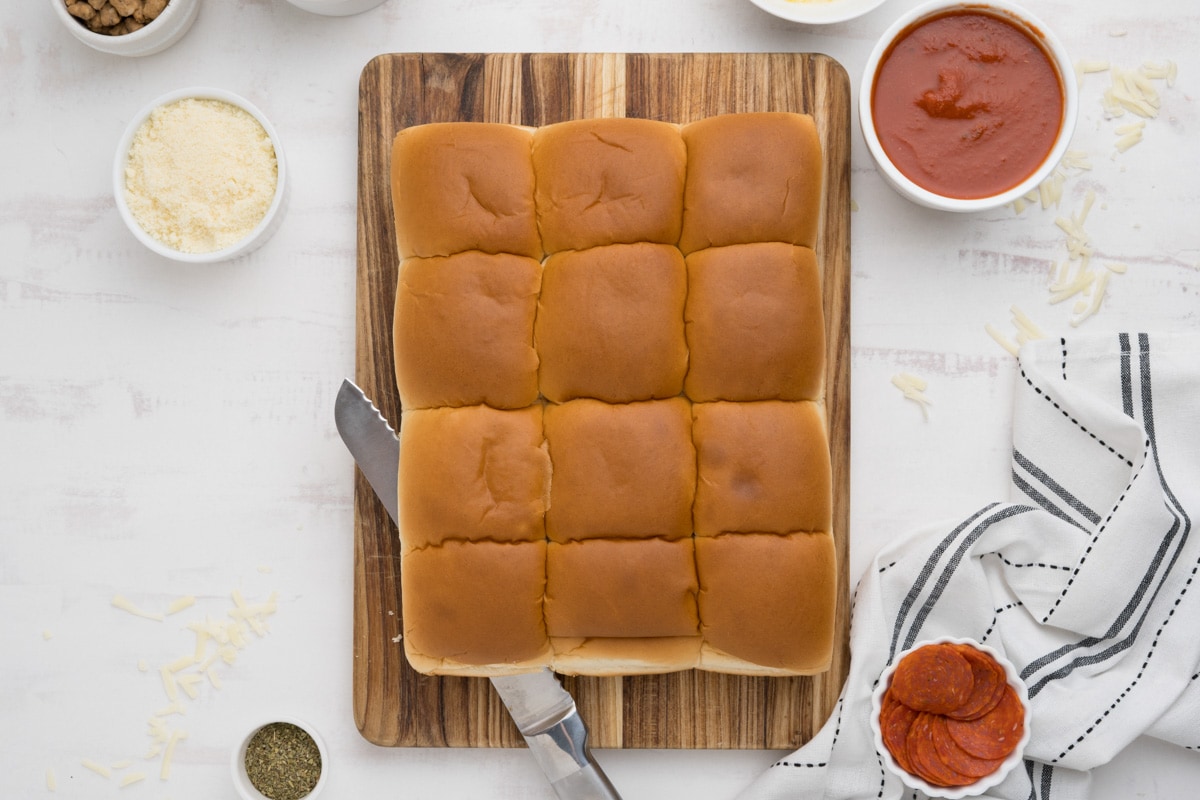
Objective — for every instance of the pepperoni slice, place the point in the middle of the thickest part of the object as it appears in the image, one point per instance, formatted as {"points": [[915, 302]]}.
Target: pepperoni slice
{"points": [[959, 760], [895, 720], [922, 752], [996, 733], [935, 678], [990, 681]]}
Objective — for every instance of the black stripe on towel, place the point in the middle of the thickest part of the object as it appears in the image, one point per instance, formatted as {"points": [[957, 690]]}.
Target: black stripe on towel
{"points": [[1126, 375], [1054, 486], [926, 571], [960, 552], [1040, 500]]}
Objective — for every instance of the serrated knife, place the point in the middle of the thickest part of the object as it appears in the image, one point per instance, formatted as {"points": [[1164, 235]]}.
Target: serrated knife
{"points": [[544, 712]]}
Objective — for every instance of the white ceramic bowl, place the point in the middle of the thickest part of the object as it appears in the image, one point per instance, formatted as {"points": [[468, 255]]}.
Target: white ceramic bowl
{"points": [[252, 241], [336, 8], [954, 792], [817, 12], [241, 781], [1031, 25], [168, 28]]}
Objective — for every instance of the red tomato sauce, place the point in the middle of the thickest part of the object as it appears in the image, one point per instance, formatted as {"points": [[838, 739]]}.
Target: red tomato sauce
{"points": [[967, 104]]}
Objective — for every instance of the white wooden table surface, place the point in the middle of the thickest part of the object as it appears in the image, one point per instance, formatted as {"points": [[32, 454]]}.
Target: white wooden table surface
{"points": [[167, 431]]}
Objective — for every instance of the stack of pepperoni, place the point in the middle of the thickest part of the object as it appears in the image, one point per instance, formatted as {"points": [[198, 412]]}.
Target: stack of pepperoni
{"points": [[949, 715]]}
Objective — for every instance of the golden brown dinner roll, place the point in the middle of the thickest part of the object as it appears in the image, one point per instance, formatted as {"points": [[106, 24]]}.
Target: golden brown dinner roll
{"points": [[751, 178], [475, 608], [464, 186], [576, 656], [755, 324], [621, 588], [610, 324], [472, 474], [606, 181], [620, 471], [767, 602], [761, 468], [463, 331]]}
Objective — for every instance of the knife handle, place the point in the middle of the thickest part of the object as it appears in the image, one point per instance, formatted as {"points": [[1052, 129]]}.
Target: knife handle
{"points": [[563, 754]]}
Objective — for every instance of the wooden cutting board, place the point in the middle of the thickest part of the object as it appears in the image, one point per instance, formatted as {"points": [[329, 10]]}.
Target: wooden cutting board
{"points": [[394, 705]]}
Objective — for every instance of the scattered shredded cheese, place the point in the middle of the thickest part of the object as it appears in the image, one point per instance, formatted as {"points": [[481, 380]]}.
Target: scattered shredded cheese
{"points": [[132, 778], [1050, 191], [47, 635], [913, 388], [1129, 135], [165, 771], [183, 662], [1074, 279], [1133, 90], [217, 642], [1027, 331], [169, 685], [174, 708], [188, 684], [125, 605], [180, 604], [51, 781]]}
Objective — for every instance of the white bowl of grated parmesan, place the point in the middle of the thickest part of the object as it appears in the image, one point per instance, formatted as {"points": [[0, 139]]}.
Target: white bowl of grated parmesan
{"points": [[200, 177], [817, 12]]}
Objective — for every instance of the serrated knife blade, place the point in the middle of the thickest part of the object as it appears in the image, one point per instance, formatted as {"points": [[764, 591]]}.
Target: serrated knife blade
{"points": [[544, 712]]}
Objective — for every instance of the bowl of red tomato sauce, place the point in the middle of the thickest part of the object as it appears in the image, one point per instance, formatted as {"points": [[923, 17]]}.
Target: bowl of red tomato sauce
{"points": [[967, 106]]}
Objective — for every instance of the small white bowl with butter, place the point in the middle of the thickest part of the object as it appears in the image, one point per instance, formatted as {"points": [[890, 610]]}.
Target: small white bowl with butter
{"points": [[200, 176]]}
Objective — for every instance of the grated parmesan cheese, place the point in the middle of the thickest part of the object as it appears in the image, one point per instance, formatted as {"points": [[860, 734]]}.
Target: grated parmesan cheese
{"points": [[51, 781], [200, 175], [99, 769]]}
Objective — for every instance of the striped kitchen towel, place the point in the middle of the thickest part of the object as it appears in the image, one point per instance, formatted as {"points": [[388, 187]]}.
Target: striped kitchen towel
{"points": [[1086, 579]]}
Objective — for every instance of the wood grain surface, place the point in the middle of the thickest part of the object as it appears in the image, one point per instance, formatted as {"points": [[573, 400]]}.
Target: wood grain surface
{"points": [[393, 704]]}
